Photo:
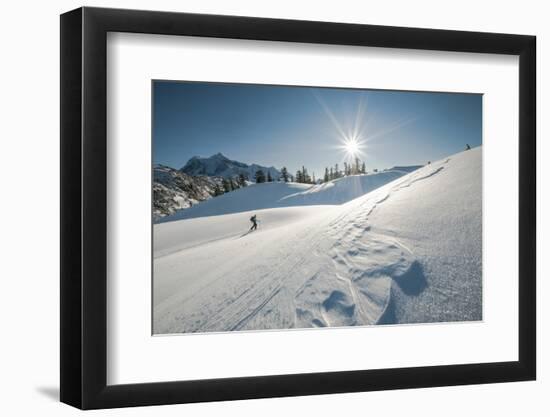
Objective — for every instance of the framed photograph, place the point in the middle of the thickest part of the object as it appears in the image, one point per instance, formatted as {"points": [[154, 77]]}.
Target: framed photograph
{"points": [[257, 208]]}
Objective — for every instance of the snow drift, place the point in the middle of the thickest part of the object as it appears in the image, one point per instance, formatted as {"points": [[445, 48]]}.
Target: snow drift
{"points": [[343, 189], [407, 252]]}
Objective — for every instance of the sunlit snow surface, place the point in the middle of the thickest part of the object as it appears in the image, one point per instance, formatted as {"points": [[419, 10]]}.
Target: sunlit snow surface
{"points": [[408, 251]]}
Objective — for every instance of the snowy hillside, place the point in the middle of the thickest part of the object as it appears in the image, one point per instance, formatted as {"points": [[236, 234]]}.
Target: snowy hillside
{"points": [[221, 166], [280, 194], [410, 168], [253, 197], [343, 189], [174, 190], [407, 252]]}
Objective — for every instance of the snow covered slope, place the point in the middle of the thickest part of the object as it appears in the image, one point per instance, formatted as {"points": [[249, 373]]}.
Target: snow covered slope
{"points": [[280, 194], [407, 252], [343, 189], [252, 197]]}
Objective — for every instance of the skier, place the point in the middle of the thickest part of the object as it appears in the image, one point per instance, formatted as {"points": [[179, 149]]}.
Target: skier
{"points": [[468, 147], [254, 223]]}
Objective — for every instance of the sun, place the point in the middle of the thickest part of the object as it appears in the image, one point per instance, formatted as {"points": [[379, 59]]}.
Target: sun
{"points": [[351, 146]]}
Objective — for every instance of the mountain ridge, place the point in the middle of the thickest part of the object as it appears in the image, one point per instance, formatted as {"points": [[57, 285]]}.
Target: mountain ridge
{"points": [[221, 166]]}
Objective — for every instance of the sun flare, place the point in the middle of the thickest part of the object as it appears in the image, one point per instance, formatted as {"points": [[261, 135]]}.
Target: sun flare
{"points": [[352, 147]]}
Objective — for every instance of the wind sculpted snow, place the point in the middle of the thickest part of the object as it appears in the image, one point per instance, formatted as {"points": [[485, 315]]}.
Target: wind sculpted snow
{"points": [[407, 252]]}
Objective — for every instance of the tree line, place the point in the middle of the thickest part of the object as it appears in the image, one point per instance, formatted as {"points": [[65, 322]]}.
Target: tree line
{"points": [[302, 176], [355, 168], [260, 177], [229, 184], [331, 173]]}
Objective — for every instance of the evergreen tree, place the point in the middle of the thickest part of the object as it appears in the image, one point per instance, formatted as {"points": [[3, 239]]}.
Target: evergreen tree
{"points": [[242, 180], [363, 168], [259, 176], [346, 169], [336, 171], [306, 179], [331, 175], [269, 177], [299, 178], [326, 177], [284, 174], [226, 185], [313, 178]]}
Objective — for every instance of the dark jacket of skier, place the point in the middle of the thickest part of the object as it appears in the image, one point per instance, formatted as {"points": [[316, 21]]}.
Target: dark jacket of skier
{"points": [[254, 223]]}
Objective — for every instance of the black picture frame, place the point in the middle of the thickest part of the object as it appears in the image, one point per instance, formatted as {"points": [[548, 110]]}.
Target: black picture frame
{"points": [[84, 207]]}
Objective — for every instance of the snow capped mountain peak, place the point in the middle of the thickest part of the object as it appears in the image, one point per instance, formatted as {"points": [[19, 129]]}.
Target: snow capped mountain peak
{"points": [[220, 165]]}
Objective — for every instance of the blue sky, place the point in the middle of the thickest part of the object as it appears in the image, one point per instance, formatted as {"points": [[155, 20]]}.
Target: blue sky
{"points": [[295, 126]]}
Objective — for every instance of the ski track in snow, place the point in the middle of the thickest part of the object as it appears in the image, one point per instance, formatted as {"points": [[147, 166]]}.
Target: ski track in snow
{"points": [[336, 270]]}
